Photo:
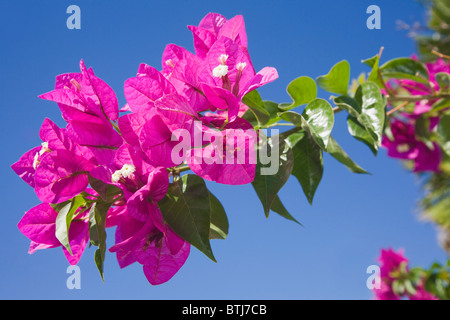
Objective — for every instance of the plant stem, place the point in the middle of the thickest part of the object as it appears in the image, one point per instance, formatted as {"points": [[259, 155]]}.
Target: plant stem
{"points": [[397, 108], [418, 98], [277, 124]]}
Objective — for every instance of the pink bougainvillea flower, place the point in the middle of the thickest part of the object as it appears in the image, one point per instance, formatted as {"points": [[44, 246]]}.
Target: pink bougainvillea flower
{"points": [[148, 86], [143, 242], [229, 157], [142, 235], [25, 167], [226, 66], [390, 261], [38, 225], [212, 27], [89, 106], [175, 111], [182, 68], [54, 138], [406, 146], [61, 175], [85, 92]]}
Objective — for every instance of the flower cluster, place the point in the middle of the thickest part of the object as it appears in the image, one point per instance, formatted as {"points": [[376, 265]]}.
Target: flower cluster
{"points": [[404, 141], [112, 170], [395, 284]]}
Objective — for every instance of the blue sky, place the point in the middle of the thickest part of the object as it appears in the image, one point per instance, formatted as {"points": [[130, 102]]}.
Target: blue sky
{"points": [[352, 218]]}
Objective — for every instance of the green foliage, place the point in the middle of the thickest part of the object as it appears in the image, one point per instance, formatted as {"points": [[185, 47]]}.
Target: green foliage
{"points": [[187, 208], [337, 79]]}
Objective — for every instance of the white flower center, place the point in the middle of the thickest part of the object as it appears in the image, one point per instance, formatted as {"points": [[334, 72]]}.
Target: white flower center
{"points": [[125, 172], [116, 176], [220, 71], [127, 169]]}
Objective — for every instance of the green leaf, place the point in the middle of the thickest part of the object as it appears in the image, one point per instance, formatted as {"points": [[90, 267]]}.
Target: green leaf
{"points": [[368, 111], [66, 211], [302, 90], [186, 209], [255, 103], [374, 75], [317, 120], [422, 130], [278, 207], [373, 109], [405, 68], [335, 150], [97, 232], [268, 185], [219, 221], [409, 287], [271, 107], [361, 134], [337, 80], [443, 132], [441, 104], [308, 163], [443, 80], [348, 104], [106, 191], [320, 117]]}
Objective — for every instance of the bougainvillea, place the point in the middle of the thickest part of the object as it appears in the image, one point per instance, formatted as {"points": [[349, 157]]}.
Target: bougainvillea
{"points": [[142, 167]]}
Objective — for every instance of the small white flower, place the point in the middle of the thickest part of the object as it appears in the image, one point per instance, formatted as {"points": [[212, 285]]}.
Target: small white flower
{"points": [[220, 71], [116, 176], [127, 169], [36, 160], [44, 148]]}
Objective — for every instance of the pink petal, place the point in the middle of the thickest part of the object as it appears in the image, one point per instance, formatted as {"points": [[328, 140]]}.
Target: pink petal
{"points": [[115, 215], [266, 75], [156, 142], [203, 40], [148, 86], [131, 125], [34, 246], [239, 168], [24, 166], [38, 225], [235, 55], [128, 154], [222, 99], [175, 111], [158, 183], [78, 238], [235, 30], [212, 22], [160, 265], [60, 176]]}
